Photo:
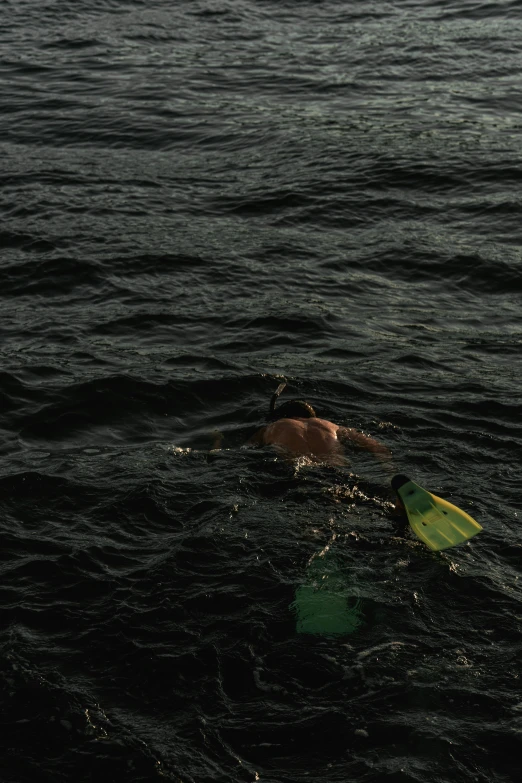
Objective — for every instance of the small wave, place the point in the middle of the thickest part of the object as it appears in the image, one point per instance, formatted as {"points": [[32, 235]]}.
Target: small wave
{"points": [[47, 276]]}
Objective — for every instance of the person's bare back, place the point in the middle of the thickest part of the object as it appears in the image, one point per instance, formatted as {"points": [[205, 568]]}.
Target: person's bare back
{"points": [[295, 429], [303, 437], [316, 438]]}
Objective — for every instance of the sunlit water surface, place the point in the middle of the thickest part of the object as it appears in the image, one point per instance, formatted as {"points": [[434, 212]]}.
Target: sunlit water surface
{"points": [[198, 198]]}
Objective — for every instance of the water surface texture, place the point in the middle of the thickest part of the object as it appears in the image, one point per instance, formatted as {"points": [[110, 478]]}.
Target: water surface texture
{"points": [[198, 198]]}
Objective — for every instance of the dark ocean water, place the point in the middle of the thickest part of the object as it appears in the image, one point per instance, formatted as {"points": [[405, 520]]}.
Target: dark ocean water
{"points": [[197, 198]]}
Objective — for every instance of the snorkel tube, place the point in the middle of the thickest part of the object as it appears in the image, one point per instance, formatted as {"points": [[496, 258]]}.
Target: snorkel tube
{"points": [[274, 398]]}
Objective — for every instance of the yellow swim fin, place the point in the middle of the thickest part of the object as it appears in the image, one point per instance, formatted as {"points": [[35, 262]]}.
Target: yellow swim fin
{"points": [[436, 522]]}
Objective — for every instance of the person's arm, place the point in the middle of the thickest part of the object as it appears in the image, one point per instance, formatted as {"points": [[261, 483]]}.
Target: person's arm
{"points": [[257, 439], [364, 442], [217, 440]]}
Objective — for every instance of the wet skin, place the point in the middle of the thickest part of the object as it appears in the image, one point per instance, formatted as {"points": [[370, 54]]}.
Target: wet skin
{"points": [[316, 438]]}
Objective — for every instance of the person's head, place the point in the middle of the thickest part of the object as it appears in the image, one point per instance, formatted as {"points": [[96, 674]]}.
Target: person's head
{"points": [[294, 409]]}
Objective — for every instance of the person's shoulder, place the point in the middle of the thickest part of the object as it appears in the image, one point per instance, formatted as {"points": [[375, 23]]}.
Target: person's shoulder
{"points": [[284, 424], [323, 424]]}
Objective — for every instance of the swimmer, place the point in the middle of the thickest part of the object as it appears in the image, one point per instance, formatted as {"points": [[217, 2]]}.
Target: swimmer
{"points": [[295, 430]]}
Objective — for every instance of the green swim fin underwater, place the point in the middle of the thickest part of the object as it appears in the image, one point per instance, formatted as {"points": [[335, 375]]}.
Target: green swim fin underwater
{"points": [[439, 524], [326, 604]]}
